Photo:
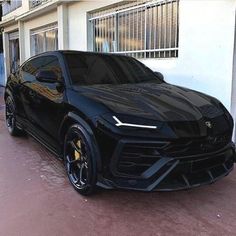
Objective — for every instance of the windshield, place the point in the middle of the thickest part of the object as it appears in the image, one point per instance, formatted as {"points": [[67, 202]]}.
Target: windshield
{"points": [[94, 69]]}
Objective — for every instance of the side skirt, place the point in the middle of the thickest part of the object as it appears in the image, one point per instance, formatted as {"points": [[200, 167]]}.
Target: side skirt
{"points": [[46, 145], [24, 125]]}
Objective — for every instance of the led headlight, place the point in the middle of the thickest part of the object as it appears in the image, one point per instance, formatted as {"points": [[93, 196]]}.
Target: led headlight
{"points": [[120, 123]]}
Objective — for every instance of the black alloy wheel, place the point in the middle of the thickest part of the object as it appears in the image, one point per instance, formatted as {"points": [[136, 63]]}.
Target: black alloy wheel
{"points": [[79, 160], [11, 118]]}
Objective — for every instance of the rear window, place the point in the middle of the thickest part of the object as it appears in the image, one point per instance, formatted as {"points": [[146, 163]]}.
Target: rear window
{"points": [[91, 69]]}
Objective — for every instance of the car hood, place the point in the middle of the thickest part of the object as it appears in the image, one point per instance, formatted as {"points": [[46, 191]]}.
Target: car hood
{"points": [[162, 102]]}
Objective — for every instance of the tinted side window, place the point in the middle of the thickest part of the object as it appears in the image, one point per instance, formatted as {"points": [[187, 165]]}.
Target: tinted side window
{"points": [[42, 63], [29, 70], [50, 63]]}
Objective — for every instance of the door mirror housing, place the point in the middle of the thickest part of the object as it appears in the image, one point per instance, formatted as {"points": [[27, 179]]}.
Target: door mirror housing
{"points": [[47, 76], [160, 76]]}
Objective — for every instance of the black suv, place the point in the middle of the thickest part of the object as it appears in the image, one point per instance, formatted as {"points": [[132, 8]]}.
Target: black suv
{"points": [[117, 124]]}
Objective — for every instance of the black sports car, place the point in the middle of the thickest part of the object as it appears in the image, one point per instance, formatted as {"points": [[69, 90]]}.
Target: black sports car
{"points": [[118, 124]]}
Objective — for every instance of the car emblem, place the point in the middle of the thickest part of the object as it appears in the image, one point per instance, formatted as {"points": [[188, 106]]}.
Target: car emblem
{"points": [[208, 124]]}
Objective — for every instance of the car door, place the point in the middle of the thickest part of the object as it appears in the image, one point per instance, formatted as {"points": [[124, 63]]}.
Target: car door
{"points": [[27, 82], [43, 101]]}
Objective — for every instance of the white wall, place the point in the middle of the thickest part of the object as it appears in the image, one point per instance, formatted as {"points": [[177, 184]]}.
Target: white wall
{"points": [[206, 41]]}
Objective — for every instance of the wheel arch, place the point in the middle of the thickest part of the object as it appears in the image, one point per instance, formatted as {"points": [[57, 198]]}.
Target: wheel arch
{"points": [[73, 118]]}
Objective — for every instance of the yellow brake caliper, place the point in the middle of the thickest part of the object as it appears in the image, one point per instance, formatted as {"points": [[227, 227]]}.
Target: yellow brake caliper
{"points": [[77, 154]]}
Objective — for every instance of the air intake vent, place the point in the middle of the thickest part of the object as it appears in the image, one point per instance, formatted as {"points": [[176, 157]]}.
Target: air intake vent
{"points": [[210, 111]]}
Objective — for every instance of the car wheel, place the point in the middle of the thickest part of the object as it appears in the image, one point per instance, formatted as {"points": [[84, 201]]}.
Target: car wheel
{"points": [[79, 160], [11, 118]]}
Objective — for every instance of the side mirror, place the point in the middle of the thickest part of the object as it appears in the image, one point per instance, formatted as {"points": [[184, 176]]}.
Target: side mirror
{"points": [[160, 76], [47, 76]]}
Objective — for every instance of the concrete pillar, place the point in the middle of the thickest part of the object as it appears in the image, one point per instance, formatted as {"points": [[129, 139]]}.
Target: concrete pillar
{"points": [[6, 55], [62, 15], [21, 41], [90, 30], [26, 5]]}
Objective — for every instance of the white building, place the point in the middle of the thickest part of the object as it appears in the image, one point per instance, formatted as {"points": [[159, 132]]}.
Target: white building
{"points": [[190, 41]]}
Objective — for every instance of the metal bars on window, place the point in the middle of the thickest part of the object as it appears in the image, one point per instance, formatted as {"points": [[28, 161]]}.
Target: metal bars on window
{"points": [[9, 6], [35, 3], [147, 30]]}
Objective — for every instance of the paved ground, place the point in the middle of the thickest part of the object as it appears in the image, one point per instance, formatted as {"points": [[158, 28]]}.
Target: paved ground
{"points": [[36, 199]]}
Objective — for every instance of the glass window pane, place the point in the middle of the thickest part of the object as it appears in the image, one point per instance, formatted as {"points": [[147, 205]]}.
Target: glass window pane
{"points": [[37, 43], [131, 30], [44, 41], [51, 63], [14, 51], [51, 40], [104, 34]]}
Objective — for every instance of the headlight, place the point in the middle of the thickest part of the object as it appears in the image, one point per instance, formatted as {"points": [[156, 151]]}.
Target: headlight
{"points": [[132, 121], [120, 123]]}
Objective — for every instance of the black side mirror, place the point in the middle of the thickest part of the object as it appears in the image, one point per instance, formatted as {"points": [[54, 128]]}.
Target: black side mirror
{"points": [[160, 76], [47, 76]]}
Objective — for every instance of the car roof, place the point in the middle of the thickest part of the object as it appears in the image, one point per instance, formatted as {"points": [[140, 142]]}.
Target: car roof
{"points": [[78, 52], [62, 52]]}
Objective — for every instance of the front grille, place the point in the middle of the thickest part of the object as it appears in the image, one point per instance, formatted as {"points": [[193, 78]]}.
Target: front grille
{"points": [[188, 147], [136, 158]]}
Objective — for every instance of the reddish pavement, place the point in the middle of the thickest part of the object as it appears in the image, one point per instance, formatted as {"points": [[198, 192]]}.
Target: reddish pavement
{"points": [[36, 199]]}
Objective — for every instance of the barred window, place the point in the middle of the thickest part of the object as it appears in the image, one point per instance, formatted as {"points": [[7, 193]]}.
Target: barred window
{"points": [[9, 6], [142, 29]]}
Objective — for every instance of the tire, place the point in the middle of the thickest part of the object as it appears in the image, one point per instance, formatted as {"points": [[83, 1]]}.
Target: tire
{"points": [[80, 160], [11, 118]]}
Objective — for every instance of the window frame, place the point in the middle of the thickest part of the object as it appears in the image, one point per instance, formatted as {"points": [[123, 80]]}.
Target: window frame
{"points": [[43, 30]]}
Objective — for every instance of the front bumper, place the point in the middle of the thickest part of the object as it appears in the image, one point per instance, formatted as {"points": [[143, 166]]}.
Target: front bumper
{"points": [[153, 167]]}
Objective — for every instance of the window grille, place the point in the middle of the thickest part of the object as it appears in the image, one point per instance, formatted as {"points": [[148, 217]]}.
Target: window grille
{"points": [[9, 6], [35, 3], [140, 29]]}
